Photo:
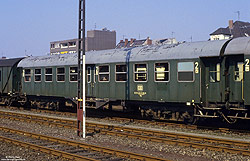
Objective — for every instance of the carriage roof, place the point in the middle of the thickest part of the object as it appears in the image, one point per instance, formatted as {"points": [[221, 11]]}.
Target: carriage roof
{"points": [[188, 50]]}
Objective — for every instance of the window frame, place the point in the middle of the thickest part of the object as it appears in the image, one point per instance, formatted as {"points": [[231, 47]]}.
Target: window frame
{"points": [[27, 74], [243, 69], [139, 72], [186, 71], [95, 73], [37, 75], [72, 42], [52, 46], [216, 72], [63, 46], [73, 73], [60, 74], [164, 72], [48, 74], [103, 73], [89, 74], [121, 73]]}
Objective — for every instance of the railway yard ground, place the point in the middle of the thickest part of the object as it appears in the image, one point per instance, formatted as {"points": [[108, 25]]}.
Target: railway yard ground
{"points": [[133, 140]]}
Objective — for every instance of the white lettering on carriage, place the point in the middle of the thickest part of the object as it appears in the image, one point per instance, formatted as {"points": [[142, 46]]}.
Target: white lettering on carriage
{"points": [[247, 65]]}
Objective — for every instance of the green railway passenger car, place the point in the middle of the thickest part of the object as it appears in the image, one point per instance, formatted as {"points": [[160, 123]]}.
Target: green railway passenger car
{"points": [[183, 81]]}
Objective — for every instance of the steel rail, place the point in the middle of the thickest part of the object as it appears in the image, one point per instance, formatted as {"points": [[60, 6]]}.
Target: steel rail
{"points": [[156, 122], [159, 122], [106, 128], [143, 134], [45, 149], [112, 118], [114, 152]]}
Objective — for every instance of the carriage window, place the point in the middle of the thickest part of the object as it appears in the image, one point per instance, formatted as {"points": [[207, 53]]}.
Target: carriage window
{"points": [[27, 75], [104, 73], [0, 75], [88, 74], [186, 71], [95, 73], [60, 74], [214, 72], [38, 75], [73, 72], [161, 72], [238, 74], [121, 73], [48, 74], [140, 72]]}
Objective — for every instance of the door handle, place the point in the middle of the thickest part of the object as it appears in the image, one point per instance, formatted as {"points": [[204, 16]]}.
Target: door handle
{"points": [[207, 85]]}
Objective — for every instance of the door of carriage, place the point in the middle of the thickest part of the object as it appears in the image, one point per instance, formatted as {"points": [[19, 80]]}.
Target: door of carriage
{"points": [[234, 78], [91, 80], [211, 80]]}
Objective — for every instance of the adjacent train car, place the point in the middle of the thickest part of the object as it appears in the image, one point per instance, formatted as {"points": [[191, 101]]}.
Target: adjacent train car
{"points": [[10, 80]]}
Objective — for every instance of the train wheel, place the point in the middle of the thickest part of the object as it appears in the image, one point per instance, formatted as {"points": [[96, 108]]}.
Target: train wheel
{"points": [[189, 118], [23, 101], [8, 102], [191, 121]]}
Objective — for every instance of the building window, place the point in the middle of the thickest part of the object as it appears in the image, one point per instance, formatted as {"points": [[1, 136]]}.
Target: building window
{"points": [[60, 74], [57, 45], [38, 75], [214, 72], [48, 75], [73, 72], [72, 44], [238, 73], [71, 52], [140, 72], [186, 72], [104, 73], [89, 74], [64, 45], [27, 75], [52, 46], [121, 73], [161, 72]]}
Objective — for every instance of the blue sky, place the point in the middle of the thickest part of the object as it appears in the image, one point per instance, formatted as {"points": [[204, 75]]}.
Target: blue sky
{"points": [[27, 26]]}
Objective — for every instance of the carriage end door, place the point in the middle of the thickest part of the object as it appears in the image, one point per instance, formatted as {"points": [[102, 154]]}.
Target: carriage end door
{"points": [[91, 81], [234, 73]]}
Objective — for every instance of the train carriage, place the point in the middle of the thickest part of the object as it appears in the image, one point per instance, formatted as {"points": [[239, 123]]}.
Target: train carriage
{"points": [[162, 81], [174, 81], [238, 51], [10, 80]]}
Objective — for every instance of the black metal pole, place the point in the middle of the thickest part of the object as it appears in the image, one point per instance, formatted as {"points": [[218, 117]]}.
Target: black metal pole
{"points": [[81, 71]]}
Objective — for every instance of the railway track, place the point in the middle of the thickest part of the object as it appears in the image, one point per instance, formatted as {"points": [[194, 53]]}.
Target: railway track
{"points": [[149, 122], [160, 123], [168, 137], [143, 122], [68, 149]]}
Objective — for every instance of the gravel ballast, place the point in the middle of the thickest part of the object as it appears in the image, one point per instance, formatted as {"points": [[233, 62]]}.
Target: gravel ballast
{"points": [[160, 150], [13, 152]]}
